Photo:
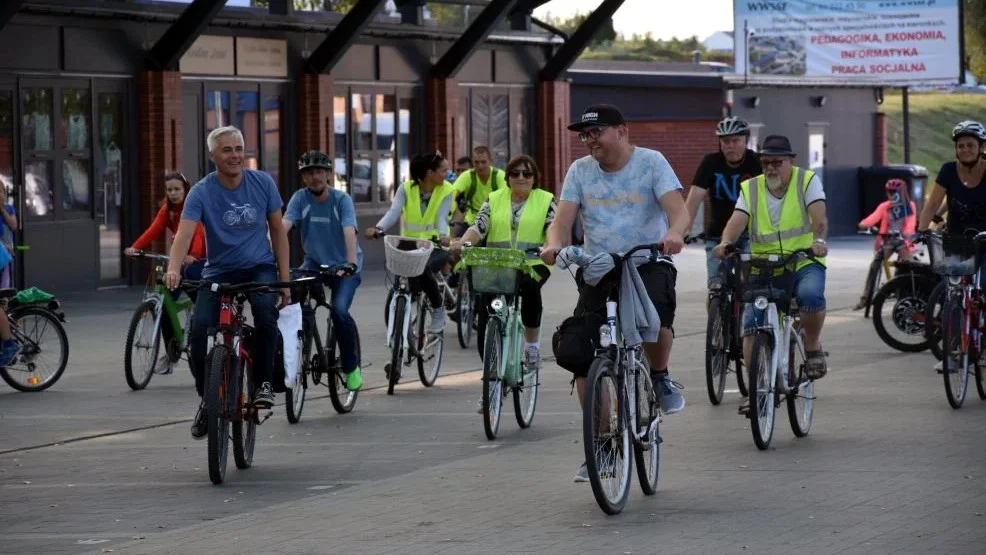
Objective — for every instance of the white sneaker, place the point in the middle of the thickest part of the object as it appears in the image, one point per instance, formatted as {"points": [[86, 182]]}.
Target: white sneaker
{"points": [[437, 320], [939, 367], [532, 357], [163, 365]]}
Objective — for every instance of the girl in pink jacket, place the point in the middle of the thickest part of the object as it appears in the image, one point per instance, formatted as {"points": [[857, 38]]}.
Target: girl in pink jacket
{"points": [[896, 214]]}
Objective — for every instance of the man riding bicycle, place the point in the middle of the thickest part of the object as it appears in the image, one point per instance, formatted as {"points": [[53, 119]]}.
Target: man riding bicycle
{"points": [[327, 221], [238, 208], [626, 195], [474, 185], [718, 177], [783, 210]]}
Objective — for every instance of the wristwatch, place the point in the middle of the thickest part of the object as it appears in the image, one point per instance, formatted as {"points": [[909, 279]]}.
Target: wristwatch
{"points": [[820, 241]]}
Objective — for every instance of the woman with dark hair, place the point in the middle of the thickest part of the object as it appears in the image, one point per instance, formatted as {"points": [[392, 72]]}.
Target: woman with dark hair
{"points": [[176, 187], [424, 202], [516, 217]]}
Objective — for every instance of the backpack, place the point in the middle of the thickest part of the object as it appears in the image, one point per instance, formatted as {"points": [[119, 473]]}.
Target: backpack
{"points": [[475, 183]]}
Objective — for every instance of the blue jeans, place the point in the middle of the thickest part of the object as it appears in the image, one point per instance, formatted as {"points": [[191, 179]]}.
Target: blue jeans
{"points": [[264, 309], [809, 290], [712, 264], [343, 290]]}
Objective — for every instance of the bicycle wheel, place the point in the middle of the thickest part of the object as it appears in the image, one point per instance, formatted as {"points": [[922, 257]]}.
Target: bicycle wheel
{"points": [[343, 400], [874, 284], [955, 348], [762, 391], [801, 398], [716, 351], [981, 380], [526, 392], [464, 313], [647, 451], [431, 346], [932, 318], [648, 463], [736, 336], [217, 411], [141, 352], [907, 297], [492, 382], [245, 425], [397, 345], [43, 355], [386, 306], [606, 437], [294, 397]]}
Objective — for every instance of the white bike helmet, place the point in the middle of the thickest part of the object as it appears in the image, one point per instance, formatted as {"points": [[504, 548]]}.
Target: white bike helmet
{"points": [[970, 128], [732, 126]]}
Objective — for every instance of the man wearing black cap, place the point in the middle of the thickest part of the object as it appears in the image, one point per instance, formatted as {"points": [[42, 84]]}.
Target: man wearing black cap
{"points": [[784, 210], [626, 196]]}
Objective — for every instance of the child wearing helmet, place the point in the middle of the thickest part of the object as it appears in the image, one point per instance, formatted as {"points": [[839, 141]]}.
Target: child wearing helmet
{"points": [[897, 214]]}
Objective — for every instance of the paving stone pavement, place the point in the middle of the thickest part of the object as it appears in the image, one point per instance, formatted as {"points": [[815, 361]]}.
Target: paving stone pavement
{"points": [[91, 467]]}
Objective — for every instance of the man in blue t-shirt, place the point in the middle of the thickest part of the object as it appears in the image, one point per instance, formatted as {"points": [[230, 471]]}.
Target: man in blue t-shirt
{"points": [[238, 208], [327, 222]]}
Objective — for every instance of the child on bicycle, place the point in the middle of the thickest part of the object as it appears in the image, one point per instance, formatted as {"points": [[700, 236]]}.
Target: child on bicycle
{"points": [[897, 214], [424, 202]]}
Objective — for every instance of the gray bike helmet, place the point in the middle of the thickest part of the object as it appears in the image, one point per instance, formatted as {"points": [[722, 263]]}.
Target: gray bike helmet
{"points": [[314, 159], [970, 128], [732, 126]]}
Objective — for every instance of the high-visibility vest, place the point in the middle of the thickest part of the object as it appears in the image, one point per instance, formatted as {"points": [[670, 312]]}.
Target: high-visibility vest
{"points": [[794, 231], [530, 231], [416, 224], [476, 200]]}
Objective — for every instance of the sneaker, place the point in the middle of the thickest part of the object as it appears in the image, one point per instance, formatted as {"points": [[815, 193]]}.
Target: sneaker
{"points": [[437, 320], [670, 397], [532, 357], [939, 367], [164, 365], [582, 475], [354, 380], [200, 427], [263, 398], [9, 352], [479, 407]]}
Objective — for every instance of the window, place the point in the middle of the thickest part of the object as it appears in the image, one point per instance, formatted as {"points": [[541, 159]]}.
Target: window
{"points": [[246, 119], [405, 144], [272, 137], [341, 140], [254, 110], [385, 129]]}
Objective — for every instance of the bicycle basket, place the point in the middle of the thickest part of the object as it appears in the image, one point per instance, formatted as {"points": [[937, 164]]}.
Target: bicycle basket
{"points": [[494, 271], [407, 263], [953, 255], [767, 276]]}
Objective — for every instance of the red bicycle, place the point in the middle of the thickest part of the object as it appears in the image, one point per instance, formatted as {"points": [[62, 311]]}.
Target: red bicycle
{"points": [[230, 381]]}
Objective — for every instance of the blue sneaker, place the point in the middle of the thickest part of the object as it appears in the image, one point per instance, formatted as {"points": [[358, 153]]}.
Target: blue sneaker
{"points": [[9, 352], [669, 391]]}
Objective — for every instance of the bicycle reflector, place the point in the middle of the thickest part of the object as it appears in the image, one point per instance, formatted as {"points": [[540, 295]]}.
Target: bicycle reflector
{"points": [[760, 303], [497, 304]]}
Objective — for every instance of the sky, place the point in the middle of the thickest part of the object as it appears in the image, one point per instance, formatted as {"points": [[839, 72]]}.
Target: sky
{"points": [[663, 18]]}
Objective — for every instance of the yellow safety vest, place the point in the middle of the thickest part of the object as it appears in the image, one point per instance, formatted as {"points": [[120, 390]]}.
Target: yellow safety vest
{"points": [[416, 224], [794, 231], [478, 192], [530, 229]]}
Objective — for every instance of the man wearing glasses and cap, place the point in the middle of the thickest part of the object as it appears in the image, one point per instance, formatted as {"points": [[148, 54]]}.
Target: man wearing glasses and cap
{"points": [[626, 196], [785, 211]]}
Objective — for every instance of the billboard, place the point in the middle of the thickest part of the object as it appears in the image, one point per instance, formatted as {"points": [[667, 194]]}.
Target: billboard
{"points": [[900, 42]]}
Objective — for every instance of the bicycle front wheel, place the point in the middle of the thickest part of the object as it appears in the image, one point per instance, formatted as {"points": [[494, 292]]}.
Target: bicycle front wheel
{"points": [[465, 313], [648, 462], [955, 350], [801, 397], [716, 350], [492, 382], [397, 345], [343, 400], [217, 411], [762, 391], [431, 346], [526, 396], [903, 326], [606, 437], [294, 397], [44, 350], [245, 424], [932, 318], [142, 346]]}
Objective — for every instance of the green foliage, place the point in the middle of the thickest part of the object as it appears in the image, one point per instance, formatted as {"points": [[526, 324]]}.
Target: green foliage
{"points": [[975, 37], [932, 117]]}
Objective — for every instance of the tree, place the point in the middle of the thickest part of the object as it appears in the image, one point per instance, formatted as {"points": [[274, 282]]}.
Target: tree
{"points": [[605, 35], [975, 37]]}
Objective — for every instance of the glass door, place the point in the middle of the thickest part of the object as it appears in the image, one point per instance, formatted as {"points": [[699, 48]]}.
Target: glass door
{"points": [[9, 235], [110, 104]]}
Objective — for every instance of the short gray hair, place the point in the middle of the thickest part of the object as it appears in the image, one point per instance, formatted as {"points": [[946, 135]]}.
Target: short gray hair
{"points": [[214, 135]]}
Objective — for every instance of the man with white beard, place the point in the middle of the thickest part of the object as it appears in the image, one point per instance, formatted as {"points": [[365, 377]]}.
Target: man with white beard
{"points": [[785, 211]]}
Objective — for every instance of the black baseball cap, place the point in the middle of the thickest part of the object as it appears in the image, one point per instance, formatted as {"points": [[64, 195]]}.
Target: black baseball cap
{"points": [[598, 115], [776, 145]]}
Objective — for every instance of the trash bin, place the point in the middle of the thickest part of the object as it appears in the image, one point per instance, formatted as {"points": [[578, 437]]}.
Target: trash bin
{"points": [[872, 180]]}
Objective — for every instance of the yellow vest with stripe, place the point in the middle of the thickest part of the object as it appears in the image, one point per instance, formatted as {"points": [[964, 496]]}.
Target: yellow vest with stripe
{"points": [[794, 231], [416, 224], [530, 228]]}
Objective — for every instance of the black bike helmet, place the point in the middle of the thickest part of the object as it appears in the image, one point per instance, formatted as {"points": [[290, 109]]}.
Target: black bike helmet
{"points": [[314, 159], [732, 126]]}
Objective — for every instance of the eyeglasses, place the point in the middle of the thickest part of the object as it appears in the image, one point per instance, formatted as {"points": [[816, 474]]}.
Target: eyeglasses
{"points": [[772, 163], [593, 133], [517, 173]]}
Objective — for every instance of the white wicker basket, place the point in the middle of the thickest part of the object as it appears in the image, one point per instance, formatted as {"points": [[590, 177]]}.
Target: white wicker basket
{"points": [[407, 263]]}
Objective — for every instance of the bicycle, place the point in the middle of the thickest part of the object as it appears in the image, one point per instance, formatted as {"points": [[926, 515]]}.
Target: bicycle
{"points": [[777, 325], [620, 372], [458, 305], [406, 343], [149, 326], [724, 329], [32, 370], [229, 379], [958, 259], [496, 272], [326, 362]]}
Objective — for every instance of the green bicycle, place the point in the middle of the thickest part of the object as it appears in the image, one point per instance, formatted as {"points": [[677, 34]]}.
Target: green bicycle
{"points": [[496, 272], [149, 327]]}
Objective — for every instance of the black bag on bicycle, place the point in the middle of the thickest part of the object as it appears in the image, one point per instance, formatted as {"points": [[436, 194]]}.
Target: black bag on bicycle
{"points": [[575, 341]]}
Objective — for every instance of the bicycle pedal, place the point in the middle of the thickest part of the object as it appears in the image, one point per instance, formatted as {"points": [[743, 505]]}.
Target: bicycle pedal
{"points": [[744, 410]]}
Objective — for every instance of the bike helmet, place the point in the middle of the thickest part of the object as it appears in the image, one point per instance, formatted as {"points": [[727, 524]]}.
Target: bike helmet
{"points": [[895, 184], [732, 126], [314, 159], [970, 128]]}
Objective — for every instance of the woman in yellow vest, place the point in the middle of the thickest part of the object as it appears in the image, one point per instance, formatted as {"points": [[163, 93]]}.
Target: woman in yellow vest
{"points": [[516, 218], [424, 202]]}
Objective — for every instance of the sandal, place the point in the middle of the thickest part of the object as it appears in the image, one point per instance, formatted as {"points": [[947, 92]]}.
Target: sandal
{"points": [[815, 366]]}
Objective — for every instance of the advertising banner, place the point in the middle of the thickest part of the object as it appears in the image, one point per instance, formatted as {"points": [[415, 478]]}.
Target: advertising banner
{"points": [[899, 42]]}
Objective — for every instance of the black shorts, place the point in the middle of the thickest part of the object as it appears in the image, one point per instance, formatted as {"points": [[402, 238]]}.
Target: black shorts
{"points": [[659, 280]]}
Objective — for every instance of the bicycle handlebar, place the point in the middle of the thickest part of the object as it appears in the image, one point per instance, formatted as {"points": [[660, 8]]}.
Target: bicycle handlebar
{"points": [[150, 255], [529, 250], [325, 270], [249, 287]]}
